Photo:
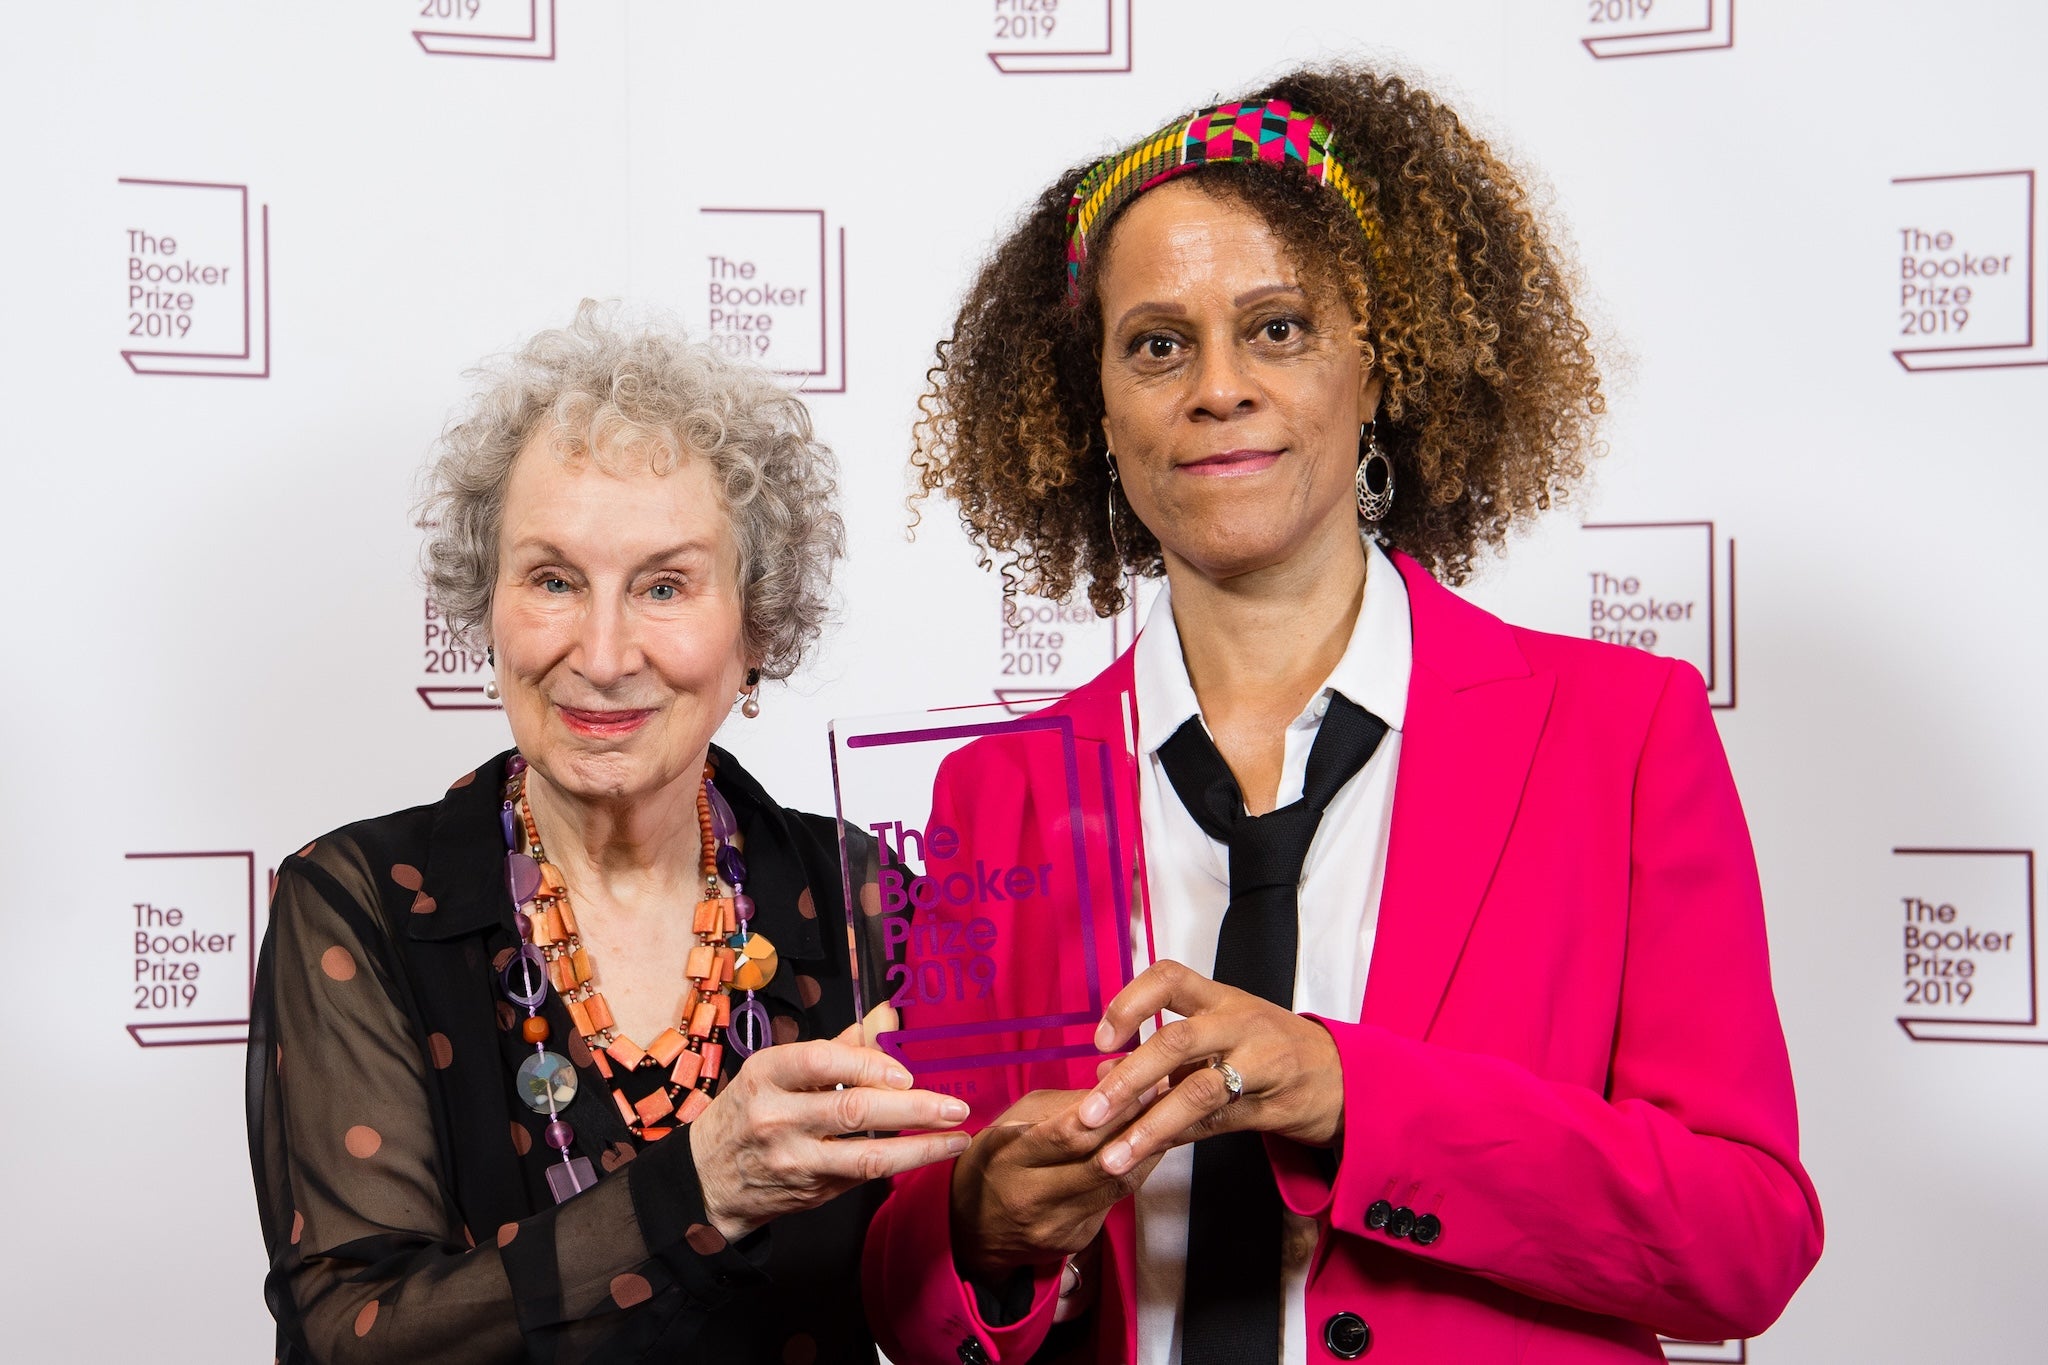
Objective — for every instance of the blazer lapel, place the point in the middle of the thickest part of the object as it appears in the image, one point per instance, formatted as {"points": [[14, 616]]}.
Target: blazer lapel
{"points": [[1475, 714]]}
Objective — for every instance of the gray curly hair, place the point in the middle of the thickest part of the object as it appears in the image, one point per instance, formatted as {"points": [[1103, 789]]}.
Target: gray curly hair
{"points": [[607, 389]]}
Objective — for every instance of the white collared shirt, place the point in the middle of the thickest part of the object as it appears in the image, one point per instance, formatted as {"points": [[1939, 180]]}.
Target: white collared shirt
{"points": [[1188, 881]]}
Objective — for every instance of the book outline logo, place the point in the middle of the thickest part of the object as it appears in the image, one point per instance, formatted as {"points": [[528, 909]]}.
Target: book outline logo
{"points": [[249, 362], [1018, 644], [530, 46], [207, 1032], [2027, 1031], [830, 374], [1719, 582], [1112, 58], [2029, 352], [1715, 34]]}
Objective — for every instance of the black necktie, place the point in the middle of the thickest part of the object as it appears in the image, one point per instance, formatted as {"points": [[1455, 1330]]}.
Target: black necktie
{"points": [[1231, 1303]]}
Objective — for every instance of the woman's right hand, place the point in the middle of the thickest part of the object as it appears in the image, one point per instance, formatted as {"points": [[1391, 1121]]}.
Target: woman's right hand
{"points": [[1029, 1191], [775, 1139]]}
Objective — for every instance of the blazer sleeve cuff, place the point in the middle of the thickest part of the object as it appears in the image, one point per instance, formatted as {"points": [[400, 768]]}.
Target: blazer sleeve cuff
{"points": [[930, 1308], [1368, 1171]]}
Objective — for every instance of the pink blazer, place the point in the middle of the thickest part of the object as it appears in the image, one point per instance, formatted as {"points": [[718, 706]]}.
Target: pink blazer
{"points": [[1568, 1050]]}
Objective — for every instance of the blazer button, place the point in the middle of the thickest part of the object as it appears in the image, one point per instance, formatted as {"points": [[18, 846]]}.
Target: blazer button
{"points": [[1346, 1336], [971, 1353], [1428, 1228], [1377, 1213], [1402, 1222]]}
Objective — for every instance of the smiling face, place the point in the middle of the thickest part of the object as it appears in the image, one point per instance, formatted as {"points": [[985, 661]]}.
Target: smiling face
{"points": [[616, 620], [1232, 386]]}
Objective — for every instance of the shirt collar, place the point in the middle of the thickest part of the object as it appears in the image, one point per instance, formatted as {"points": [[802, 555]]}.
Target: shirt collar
{"points": [[1373, 671]]}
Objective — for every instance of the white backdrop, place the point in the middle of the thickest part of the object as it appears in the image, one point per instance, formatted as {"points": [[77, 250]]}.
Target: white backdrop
{"points": [[252, 247]]}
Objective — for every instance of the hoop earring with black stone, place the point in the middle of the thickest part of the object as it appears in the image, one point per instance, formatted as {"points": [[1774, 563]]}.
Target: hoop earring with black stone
{"points": [[1375, 482]]}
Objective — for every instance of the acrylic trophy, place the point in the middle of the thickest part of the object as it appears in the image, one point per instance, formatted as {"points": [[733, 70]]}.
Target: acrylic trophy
{"points": [[992, 875]]}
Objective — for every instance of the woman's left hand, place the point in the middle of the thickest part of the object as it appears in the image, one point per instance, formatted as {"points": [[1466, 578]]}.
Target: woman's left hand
{"points": [[1292, 1074]]}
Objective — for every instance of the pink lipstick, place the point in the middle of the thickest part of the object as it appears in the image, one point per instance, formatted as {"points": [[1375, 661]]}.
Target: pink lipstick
{"points": [[1232, 463], [602, 724]]}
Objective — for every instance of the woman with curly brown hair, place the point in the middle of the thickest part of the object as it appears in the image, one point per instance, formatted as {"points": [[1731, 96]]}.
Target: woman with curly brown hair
{"points": [[1471, 1052]]}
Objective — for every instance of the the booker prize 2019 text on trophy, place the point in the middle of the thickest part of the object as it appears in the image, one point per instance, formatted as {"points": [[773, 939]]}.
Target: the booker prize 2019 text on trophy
{"points": [[992, 880]]}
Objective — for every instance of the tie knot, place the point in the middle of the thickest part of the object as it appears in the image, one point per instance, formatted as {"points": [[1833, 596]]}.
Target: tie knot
{"points": [[1267, 851], [1347, 738]]}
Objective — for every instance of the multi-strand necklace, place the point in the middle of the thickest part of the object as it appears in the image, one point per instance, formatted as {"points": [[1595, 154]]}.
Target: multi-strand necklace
{"points": [[689, 1056]]}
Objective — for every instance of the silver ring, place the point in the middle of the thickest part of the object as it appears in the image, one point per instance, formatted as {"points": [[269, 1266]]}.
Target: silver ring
{"points": [[1232, 1081]]}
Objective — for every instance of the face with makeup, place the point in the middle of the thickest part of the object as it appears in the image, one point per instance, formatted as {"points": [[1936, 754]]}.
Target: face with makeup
{"points": [[1232, 386], [617, 621]]}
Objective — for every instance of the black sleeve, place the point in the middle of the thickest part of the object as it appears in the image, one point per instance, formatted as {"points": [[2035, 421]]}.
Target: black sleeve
{"points": [[369, 1258]]}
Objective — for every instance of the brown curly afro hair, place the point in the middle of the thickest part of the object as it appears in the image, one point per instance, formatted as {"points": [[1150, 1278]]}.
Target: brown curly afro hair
{"points": [[1490, 395]]}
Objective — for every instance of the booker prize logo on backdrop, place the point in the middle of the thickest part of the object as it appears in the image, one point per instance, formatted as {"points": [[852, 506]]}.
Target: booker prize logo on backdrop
{"points": [[774, 291], [1967, 295], [195, 279], [520, 30], [1667, 587], [451, 675], [1061, 37], [1046, 649], [191, 925], [1656, 28], [1969, 964]]}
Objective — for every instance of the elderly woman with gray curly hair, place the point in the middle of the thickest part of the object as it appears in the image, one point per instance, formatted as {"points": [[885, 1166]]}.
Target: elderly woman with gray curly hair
{"points": [[558, 1067]]}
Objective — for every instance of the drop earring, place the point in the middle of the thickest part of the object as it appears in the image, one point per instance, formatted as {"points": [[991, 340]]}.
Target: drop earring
{"points": [[750, 706], [1375, 482], [491, 683], [1109, 458]]}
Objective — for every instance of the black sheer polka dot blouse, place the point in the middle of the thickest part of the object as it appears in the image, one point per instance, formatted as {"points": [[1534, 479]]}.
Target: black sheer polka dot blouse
{"points": [[402, 1181]]}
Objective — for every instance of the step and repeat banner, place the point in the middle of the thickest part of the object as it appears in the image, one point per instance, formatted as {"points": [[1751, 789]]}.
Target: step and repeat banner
{"points": [[253, 248]]}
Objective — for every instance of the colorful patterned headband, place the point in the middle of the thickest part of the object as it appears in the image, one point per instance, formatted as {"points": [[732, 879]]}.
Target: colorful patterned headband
{"points": [[1242, 130]]}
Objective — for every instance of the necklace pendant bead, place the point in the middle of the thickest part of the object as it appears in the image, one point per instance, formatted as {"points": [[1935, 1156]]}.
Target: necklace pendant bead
{"points": [[667, 1047], [626, 1052], [551, 884], [533, 1029], [750, 1029], [522, 877], [547, 1082], [724, 824], [655, 1107], [757, 961], [709, 913], [689, 1066], [695, 1103], [572, 1177], [743, 908], [525, 977], [731, 865], [560, 975]]}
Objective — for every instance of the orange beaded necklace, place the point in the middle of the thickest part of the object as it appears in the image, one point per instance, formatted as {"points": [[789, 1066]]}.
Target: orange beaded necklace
{"points": [[693, 1051]]}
